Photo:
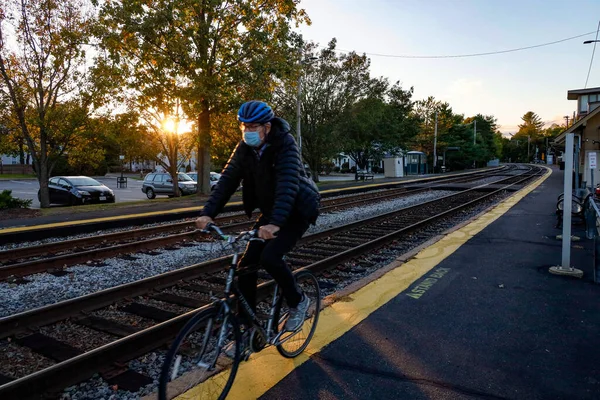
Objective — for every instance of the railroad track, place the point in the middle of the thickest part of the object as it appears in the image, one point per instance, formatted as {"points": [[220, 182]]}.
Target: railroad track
{"points": [[15, 264], [320, 253], [42, 233]]}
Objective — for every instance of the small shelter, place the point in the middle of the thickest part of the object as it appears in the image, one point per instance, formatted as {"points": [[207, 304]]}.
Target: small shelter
{"points": [[416, 163]]}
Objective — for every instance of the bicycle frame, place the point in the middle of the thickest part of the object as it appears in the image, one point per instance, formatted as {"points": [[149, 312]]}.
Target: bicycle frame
{"points": [[233, 294]]}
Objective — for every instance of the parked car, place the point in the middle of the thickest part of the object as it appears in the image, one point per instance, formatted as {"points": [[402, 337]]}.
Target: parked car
{"points": [[161, 183], [74, 190], [214, 178]]}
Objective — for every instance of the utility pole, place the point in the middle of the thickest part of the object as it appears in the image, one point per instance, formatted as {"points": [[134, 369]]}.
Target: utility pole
{"points": [[528, 141], [435, 143], [298, 115], [474, 135]]}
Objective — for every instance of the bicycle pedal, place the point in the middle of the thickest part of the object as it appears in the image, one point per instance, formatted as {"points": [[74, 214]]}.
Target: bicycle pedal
{"points": [[245, 355]]}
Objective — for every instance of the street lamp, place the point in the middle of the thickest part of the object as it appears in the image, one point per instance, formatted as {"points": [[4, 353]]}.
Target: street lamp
{"points": [[306, 61]]}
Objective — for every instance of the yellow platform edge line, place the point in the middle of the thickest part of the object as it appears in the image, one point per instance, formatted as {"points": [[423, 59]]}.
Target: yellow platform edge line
{"points": [[265, 369], [101, 219], [176, 210]]}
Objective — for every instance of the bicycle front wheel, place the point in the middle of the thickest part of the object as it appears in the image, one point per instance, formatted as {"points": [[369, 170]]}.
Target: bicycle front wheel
{"points": [[197, 360], [294, 343]]}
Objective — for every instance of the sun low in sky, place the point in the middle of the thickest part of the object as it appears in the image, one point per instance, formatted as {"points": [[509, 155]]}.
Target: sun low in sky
{"points": [[433, 45]]}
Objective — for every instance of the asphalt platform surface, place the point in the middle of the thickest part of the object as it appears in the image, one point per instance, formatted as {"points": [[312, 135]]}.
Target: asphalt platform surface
{"points": [[498, 325]]}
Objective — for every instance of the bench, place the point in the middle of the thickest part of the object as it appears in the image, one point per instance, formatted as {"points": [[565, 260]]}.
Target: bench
{"points": [[364, 176], [121, 182]]}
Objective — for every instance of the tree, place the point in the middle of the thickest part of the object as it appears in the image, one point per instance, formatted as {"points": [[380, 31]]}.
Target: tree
{"points": [[425, 112], [225, 136], [377, 125], [331, 84], [168, 136], [213, 49], [532, 125], [530, 131], [43, 74]]}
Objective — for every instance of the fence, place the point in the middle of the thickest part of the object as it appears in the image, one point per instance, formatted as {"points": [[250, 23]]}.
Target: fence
{"points": [[13, 169]]}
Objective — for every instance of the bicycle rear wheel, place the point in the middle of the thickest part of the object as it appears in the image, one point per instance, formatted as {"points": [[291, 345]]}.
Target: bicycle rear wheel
{"points": [[196, 359], [294, 343]]}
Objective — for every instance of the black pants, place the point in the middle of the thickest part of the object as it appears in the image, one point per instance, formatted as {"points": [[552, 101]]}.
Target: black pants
{"points": [[269, 255]]}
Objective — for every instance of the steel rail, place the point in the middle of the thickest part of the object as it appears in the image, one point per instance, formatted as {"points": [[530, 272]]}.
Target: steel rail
{"points": [[45, 232], [59, 262], [54, 247]]}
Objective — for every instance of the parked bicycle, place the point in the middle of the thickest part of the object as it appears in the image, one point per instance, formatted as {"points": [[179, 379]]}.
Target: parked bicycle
{"points": [[208, 349]]}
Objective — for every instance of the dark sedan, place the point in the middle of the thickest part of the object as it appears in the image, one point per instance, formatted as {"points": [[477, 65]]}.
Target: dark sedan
{"points": [[74, 190]]}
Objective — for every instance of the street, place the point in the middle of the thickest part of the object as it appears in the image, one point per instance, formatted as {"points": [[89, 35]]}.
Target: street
{"points": [[28, 189]]}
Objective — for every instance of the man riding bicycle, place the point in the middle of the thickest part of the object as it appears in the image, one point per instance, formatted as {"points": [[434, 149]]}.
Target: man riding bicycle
{"points": [[275, 182]]}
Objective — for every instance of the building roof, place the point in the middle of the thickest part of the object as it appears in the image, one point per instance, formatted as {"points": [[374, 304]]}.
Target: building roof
{"points": [[577, 126], [574, 94]]}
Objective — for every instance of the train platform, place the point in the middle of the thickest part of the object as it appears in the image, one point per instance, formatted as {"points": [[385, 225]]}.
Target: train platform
{"points": [[475, 315]]}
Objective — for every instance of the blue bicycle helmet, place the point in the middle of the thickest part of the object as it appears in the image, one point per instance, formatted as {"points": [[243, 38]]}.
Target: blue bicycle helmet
{"points": [[255, 112]]}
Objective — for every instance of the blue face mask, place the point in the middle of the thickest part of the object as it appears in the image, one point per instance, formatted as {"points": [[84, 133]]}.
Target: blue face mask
{"points": [[252, 139]]}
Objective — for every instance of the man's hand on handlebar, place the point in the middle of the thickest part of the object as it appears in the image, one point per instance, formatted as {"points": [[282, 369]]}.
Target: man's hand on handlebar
{"points": [[268, 231], [203, 221]]}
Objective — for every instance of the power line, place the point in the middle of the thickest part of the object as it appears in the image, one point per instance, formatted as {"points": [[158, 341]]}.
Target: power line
{"points": [[473, 54], [592, 60]]}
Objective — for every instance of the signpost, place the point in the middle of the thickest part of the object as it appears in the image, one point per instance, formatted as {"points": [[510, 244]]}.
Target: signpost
{"points": [[592, 162], [121, 182], [121, 157], [565, 268]]}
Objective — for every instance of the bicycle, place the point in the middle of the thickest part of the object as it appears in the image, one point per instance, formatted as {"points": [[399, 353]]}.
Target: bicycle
{"points": [[212, 333]]}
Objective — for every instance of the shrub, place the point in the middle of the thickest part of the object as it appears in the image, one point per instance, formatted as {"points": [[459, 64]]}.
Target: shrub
{"points": [[346, 165], [336, 169], [353, 169], [327, 167], [7, 201]]}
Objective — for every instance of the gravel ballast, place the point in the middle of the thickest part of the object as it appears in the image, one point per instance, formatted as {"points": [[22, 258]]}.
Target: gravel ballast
{"points": [[44, 288]]}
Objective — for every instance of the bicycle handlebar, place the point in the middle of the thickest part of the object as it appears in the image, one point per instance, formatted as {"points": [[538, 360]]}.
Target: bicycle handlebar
{"points": [[212, 228]]}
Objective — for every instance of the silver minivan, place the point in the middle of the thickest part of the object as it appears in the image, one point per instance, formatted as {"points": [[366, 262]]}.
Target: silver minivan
{"points": [[161, 183]]}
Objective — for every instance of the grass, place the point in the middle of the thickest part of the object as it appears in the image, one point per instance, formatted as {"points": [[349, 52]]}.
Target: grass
{"points": [[16, 176]]}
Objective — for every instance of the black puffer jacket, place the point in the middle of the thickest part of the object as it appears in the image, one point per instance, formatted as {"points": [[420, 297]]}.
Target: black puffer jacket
{"points": [[275, 183]]}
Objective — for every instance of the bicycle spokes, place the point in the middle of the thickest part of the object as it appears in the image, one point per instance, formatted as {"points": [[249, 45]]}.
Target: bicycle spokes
{"points": [[200, 363], [290, 344]]}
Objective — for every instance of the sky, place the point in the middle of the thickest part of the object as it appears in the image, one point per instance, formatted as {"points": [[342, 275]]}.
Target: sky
{"points": [[503, 85]]}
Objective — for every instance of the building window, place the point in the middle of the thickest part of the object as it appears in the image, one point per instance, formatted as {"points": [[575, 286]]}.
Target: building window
{"points": [[583, 103]]}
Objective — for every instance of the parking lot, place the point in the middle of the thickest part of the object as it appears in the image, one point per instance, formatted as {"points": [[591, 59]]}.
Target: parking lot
{"points": [[28, 189]]}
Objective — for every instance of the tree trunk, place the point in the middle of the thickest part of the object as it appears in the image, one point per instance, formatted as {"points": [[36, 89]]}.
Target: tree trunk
{"points": [[21, 151], [203, 154], [313, 165], [174, 178], [42, 173], [173, 146]]}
